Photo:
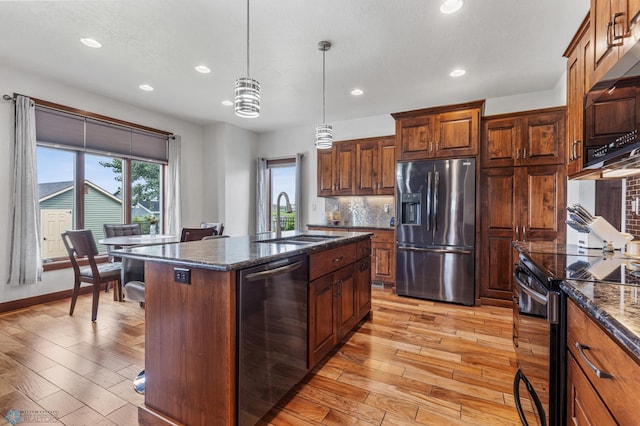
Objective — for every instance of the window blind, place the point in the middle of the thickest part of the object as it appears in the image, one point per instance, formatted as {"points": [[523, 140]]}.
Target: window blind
{"points": [[66, 130]]}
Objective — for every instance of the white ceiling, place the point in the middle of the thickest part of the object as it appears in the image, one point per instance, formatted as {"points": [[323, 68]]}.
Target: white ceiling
{"points": [[400, 52]]}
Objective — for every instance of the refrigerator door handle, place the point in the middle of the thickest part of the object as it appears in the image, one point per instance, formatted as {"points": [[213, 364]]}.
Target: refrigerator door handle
{"points": [[436, 182], [434, 250], [429, 206]]}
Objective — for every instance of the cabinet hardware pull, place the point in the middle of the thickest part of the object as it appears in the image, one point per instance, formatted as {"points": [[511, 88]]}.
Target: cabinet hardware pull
{"points": [[338, 259], [517, 233], [437, 145], [517, 153], [430, 146], [524, 233], [575, 150], [601, 374], [615, 36], [364, 266], [524, 153]]}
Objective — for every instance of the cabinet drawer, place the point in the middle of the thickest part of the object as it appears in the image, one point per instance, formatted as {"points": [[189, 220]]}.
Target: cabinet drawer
{"points": [[363, 249], [331, 260], [383, 237], [618, 391], [584, 406]]}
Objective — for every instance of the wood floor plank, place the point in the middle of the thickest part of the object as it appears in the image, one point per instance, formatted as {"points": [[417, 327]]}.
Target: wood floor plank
{"points": [[417, 362]]}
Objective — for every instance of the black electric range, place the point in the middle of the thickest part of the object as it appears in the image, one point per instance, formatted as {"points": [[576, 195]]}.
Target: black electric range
{"points": [[539, 319]]}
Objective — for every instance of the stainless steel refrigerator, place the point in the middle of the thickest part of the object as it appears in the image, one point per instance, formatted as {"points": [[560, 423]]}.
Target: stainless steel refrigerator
{"points": [[435, 229]]}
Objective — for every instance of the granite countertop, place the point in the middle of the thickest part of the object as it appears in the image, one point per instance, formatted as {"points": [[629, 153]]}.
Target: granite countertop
{"points": [[226, 254], [351, 226], [614, 306]]}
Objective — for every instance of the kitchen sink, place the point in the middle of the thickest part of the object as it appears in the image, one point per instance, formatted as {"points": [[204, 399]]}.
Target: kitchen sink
{"points": [[302, 239]]}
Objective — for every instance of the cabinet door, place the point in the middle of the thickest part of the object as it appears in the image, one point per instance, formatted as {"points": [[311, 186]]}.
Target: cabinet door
{"points": [[577, 85], [363, 287], [387, 175], [611, 114], [457, 133], [584, 406], [605, 54], [322, 328], [344, 173], [384, 262], [325, 172], [416, 137], [544, 135], [501, 142], [367, 164], [498, 219], [542, 203], [345, 282]]}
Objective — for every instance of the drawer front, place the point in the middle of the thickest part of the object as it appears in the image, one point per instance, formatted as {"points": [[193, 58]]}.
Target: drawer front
{"points": [[584, 406], [363, 249], [383, 237], [330, 260], [619, 390]]}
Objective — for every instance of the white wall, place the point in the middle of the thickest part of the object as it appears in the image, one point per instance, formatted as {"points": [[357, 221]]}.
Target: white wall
{"points": [[15, 81]]}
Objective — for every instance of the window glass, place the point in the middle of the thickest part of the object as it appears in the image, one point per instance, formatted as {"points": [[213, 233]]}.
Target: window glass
{"points": [[56, 192], [102, 194], [146, 193], [282, 178]]}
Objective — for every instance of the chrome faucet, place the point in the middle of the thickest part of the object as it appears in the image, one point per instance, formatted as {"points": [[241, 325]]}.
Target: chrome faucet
{"points": [[288, 209]]}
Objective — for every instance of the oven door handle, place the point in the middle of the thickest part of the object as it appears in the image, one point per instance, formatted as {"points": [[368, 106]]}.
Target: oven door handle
{"points": [[537, 296]]}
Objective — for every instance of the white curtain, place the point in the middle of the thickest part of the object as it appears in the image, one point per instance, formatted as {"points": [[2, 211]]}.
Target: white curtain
{"points": [[25, 264], [299, 191], [173, 203], [261, 195]]}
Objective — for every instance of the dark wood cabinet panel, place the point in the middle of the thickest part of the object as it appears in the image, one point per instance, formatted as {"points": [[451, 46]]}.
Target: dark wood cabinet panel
{"points": [[524, 138], [344, 174], [584, 406], [387, 177], [363, 287], [323, 332], [366, 167], [346, 315], [542, 203], [445, 131]]}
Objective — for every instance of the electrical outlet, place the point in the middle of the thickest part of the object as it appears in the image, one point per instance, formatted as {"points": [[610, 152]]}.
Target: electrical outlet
{"points": [[182, 275], [386, 208]]}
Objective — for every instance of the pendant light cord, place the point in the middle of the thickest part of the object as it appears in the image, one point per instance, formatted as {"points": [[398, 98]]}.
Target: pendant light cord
{"points": [[323, 87], [248, 75]]}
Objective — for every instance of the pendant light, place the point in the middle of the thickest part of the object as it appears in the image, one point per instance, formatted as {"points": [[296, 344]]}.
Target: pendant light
{"points": [[324, 132], [247, 89]]}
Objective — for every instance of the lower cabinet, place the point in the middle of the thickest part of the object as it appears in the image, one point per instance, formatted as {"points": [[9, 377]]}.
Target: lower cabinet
{"points": [[602, 378], [339, 296]]}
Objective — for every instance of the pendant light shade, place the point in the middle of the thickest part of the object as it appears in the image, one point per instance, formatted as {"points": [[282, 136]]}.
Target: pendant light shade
{"points": [[324, 132], [247, 89]]}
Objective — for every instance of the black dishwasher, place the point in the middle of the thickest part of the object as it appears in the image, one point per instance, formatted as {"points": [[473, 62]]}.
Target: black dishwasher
{"points": [[272, 334]]}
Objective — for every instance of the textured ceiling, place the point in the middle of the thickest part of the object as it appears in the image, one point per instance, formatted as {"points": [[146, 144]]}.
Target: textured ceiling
{"points": [[400, 52]]}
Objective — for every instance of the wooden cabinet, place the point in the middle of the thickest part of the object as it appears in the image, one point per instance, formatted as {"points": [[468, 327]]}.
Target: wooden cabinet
{"points": [[518, 203], [375, 166], [612, 23], [524, 139], [607, 397], [383, 252], [447, 131], [579, 57], [357, 167], [339, 295]]}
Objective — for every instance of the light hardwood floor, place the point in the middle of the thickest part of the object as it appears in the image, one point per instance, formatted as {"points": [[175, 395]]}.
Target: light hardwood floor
{"points": [[416, 362]]}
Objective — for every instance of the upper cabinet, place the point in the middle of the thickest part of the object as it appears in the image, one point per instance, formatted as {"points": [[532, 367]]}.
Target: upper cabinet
{"points": [[357, 167], [579, 57], [524, 139], [613, 32], [440, 132]]}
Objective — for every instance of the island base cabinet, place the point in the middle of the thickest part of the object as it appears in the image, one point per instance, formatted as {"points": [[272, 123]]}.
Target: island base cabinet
{"points": [[190, 327], [363, 288]]}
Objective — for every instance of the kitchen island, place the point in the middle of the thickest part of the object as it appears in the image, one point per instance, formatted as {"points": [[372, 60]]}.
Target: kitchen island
{"points": [[192, 323]]}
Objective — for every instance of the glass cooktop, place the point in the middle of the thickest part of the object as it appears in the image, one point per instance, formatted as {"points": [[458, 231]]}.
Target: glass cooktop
{"points": [[560, 262]]}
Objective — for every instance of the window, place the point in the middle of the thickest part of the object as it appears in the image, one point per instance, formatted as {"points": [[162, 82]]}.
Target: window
{"points": [[92, 172], [281, 177]]}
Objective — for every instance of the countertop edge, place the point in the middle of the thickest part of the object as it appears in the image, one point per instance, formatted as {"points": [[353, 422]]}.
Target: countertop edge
{"points": [[375, 227], [218, 266], [628, 339]]}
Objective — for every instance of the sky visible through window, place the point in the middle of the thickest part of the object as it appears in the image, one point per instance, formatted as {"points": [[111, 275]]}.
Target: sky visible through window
{"points": [[284, 179]]}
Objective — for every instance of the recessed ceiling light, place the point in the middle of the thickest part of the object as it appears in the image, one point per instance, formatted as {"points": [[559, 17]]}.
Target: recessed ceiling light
{"points": [[457, 72], [357, 92], [146, 87], [227, 103], [203, 69], [91, 42], [451, 6]]}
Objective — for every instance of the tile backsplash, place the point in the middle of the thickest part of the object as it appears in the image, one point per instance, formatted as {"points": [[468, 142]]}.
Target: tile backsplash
{"points": [[360, 211]]}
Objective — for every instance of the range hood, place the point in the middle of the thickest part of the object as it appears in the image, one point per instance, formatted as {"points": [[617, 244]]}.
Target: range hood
{"points": [[617, 160]]}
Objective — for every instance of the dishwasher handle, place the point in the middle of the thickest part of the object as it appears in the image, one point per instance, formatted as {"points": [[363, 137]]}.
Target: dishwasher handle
{"points": [[269, 273]]}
